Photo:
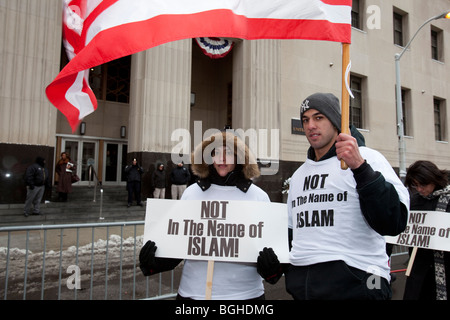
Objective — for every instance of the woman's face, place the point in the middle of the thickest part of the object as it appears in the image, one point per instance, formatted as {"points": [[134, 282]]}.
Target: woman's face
{"points": [[223, 160], [424, 190]]}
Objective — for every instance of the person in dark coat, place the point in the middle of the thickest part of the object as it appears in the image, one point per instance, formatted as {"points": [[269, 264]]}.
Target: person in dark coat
{"points": [[430, 274], [180, 177], [134, 175], [36, 179], [159, 182], [65, 169]]}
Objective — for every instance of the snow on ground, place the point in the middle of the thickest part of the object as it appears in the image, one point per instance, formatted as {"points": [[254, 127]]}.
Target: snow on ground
{"points": [[95, 262]]}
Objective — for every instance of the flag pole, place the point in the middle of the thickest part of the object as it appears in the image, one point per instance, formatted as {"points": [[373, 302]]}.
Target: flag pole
{"points": [[345, 98], [209, 280]]}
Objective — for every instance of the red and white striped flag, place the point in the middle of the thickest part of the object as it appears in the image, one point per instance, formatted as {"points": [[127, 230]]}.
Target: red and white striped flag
{"points": [[98, 31]]}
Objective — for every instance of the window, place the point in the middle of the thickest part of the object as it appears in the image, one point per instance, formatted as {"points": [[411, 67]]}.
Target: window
{"points": [[406, 112], [111, 81], [356, 14], [398, 29], [436, 44], [356, 103], [439, 120]]}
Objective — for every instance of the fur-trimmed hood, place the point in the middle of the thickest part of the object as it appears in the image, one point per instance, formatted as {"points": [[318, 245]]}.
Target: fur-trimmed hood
{"points": [[201, 158]]}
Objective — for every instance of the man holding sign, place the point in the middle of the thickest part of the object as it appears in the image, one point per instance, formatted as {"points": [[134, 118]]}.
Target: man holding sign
{"points": [[224, 166], [430, 273], [338, 216]]}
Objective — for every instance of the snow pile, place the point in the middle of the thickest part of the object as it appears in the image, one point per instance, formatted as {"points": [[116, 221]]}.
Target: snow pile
{"points": [[100, 258]]}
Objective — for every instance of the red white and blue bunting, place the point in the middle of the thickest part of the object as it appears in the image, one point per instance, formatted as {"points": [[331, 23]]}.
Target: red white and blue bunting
{"points": [[215, 48]]}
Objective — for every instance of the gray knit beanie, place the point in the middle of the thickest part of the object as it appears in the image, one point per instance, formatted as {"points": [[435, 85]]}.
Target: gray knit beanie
{"points": [[327, 104]]}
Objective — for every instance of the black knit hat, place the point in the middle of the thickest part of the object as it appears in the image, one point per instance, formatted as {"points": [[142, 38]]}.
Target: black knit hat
{"points": [[327, 104]]}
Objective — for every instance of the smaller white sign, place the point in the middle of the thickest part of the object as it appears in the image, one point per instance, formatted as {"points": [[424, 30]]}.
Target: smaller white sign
{"points": [[222, 230], [425, 229]]}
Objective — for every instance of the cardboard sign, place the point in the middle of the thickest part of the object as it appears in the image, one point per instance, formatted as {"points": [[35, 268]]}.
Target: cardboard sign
{"points": [[425, 229], [222, 230]]}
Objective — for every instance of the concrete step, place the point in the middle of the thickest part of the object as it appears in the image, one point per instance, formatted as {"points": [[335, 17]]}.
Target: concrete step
{"points": [[86, 193]]}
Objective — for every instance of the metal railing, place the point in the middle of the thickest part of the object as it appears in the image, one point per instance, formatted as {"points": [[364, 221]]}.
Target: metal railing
{"points": [[91, 176], [399, 250], [92, 261], [97, 182], [77, 261]]}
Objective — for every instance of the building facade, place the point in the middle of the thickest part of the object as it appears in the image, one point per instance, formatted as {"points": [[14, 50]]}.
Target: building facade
{"points": [[157, 104]]}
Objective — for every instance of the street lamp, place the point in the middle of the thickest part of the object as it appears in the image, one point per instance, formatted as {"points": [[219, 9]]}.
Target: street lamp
{"points": [[398, 90]]}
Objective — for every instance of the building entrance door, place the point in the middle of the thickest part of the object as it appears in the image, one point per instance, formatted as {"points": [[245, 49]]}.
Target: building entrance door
{"points": [[83, 153], [115, 162]]}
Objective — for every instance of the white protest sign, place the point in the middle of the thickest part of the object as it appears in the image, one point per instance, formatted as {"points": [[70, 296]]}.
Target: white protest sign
{"points": [[425, 229], [233, 231]]}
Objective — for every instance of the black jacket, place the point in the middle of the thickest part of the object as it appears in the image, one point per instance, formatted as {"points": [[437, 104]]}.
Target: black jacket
{"points": [[37, 174], [134, 173], [159, 178], [180, 175]]}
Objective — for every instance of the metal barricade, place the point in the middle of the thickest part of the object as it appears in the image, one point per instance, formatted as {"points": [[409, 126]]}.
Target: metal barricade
{"points": [[92, 261], [399, 250], [78, 261]]}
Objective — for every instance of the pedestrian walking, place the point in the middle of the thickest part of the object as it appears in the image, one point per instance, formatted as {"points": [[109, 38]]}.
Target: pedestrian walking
{"points": [[36, 179], [134, 175], [65, 169]]}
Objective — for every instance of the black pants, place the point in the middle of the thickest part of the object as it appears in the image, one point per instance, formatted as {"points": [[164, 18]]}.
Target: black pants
{"points": [[335, 280], [134, 187]]}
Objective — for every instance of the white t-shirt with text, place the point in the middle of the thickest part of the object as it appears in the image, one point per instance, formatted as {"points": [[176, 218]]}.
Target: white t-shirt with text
{"points": [[325, 216], [231, 280]]}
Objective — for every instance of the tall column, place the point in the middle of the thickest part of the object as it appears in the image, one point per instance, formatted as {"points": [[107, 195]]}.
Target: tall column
{"points": [[256, 84], [160, 96], [30, 46], [256, 93]]}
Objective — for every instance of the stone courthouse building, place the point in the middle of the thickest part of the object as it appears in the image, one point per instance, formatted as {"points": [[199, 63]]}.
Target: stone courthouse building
{"points": [[146, 98]]}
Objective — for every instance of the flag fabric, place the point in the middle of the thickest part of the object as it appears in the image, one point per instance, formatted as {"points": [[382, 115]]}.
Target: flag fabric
{"points": [[98, 31], [214, 47]]}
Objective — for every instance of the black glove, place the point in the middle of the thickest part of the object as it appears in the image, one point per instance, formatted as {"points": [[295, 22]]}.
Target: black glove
{"points": [[268, 266], [150, 264], [147, 258]]}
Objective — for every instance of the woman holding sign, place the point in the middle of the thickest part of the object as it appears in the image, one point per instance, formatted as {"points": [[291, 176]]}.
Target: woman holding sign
{"points": [[225, 168], [430, 274]]}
